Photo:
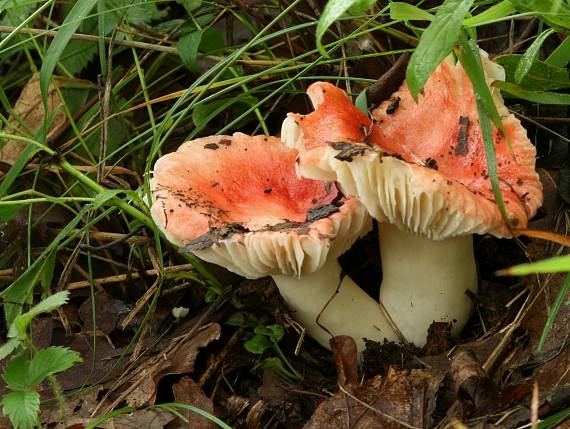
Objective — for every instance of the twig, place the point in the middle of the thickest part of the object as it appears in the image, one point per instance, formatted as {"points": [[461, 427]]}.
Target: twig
{"points": [[220, 357], [123, 277]]}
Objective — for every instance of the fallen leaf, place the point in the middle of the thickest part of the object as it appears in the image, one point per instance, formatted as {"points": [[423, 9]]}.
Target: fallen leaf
{"points": [[179, 360], [477, 395], [108, 312], [187, 391], [28, 115], [401, 398], [346, 359]]}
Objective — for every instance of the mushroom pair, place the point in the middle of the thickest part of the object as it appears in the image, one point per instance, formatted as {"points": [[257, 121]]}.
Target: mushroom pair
{"points": [[418, 169]]}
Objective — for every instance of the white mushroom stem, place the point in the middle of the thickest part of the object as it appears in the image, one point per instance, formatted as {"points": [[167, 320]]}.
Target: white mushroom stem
{"points": [[425, 281], [337, 302]]}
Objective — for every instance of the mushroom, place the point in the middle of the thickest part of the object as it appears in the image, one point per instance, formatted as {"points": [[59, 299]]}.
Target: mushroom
{"points": [[237, 202], [420, 171]]}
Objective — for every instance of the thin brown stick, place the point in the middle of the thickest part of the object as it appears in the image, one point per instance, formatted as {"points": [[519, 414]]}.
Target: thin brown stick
{"points": [[124, 277], [220, 357]]}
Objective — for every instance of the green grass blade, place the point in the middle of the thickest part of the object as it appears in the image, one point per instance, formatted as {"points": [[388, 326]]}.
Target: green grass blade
{"points": [[530, 56], [333, 10], [471, 61], [72, 21], [196, 410], [558, 264], [554, 420], [407, 12], [543, 97], [561, 55], [554, 310], [436, 43], [494, 13]]}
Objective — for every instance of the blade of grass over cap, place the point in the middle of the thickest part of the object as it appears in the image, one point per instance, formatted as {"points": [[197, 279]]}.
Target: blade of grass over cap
{"points": [[436, 43], [558, 264], [333, 10], [530, 56], [471, 61], [72, 21]]}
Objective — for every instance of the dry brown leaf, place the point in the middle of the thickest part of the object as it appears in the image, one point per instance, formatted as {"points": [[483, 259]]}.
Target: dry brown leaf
{"points": [[27, 116], [179, 361], [401, 399], [187, 391]]}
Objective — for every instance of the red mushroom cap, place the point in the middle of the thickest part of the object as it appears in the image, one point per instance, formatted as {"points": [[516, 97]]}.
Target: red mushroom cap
{"points": [[236, 201], [440, 141]]}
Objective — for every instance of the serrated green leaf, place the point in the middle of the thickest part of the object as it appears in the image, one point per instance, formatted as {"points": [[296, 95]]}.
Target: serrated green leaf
{"points": [[530, 56], [22, 408], [495, 12], [187, 48], [190, 5], [540, 77], [16, 372], [49, 361], [436, 43], [77, 55], [47, 305], [361, 103], [80, 9], [8, 347], [543, 97], [400, 11], [258, 344], [333, 10]]}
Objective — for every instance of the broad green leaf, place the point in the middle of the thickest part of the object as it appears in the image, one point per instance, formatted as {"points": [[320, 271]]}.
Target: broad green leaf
{"points": [[275, 364], [187, 48], [530, 56], [47, 305], [558, 264], [543, 97], [541, 76], [436, 43], [554, 12], [361, 103], [77, 55], [49, 361], [190, 5], [9, 212], [561, 55], [8, 347], [274, 332], [495, 12], [333, 10], [407, 12], [242, 319], [80, 9], [16, 372], [212, 41], [554, 310], [258, 344], [22, 408]]}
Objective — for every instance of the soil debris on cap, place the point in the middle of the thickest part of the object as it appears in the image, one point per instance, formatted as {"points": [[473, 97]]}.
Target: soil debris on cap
{"points": [[321, 211], [393, 106], [212, 146], [347, 150], [213, 236], [461, 148]]}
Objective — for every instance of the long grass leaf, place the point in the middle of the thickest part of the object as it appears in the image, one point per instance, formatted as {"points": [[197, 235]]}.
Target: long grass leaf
{"points": [[72, 21], [400, 11], [543, 97], [495, 12], [530, 56], [554, 310], [558, 264], [561, 55], [436, 43], [333, 10]]}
